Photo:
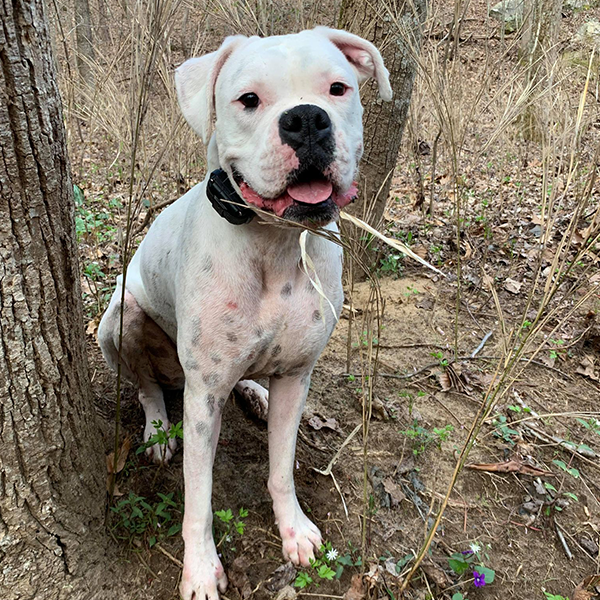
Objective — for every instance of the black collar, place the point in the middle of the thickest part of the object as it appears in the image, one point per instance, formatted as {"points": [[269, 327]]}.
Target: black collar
{"points": [[226, 201]]}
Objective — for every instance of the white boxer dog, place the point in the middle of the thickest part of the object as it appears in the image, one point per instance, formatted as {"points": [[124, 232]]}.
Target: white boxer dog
{"points": [[215, 298]]}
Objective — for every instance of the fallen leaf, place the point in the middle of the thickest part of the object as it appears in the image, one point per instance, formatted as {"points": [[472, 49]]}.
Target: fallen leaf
{"points": [[582, 592], [123, 453], [510, 466], [316, 423], [287, 593], [92, 326], [281, 577], [394, 490], [420, 250], [238, 576], [512, 286], [356, 591], [586, 368], [436, 575]]}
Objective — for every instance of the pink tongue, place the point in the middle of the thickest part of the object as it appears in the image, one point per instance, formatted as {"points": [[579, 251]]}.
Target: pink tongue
{"points": [[312, 192]]}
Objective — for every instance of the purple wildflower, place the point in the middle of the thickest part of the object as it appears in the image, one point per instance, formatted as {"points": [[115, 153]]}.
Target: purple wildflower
{"points": [[479, 579]]}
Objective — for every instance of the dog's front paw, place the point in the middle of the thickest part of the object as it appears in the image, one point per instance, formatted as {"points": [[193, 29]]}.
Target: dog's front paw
{"points": [[159, 453], [299, 535], [202, 577]]}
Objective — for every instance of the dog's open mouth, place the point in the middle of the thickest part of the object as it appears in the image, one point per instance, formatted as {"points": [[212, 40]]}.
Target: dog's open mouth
{"points": [[310, 189]]}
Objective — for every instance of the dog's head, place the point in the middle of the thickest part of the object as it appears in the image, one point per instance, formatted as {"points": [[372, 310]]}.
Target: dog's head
{"points": [[288, 126]]}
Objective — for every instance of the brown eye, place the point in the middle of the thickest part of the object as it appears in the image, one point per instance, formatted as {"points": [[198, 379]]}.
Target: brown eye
{"points": [[249, 100], [337, 89]]}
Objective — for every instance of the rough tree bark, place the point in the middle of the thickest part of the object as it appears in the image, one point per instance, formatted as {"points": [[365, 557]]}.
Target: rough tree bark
{"points": [[396, 28], [539, 46], [52, 475], [85, 41]]}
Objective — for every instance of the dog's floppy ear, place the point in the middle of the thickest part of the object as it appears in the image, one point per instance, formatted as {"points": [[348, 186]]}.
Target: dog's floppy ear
{"points": [[363, 56], [195, 81]]}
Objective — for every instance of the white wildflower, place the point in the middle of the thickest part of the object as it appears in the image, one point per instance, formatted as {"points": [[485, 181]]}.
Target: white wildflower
{"points": [[332, 555], [475, 548]]}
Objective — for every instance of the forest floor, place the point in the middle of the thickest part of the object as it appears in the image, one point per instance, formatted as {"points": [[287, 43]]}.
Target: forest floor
{"points": [[537, 532]]}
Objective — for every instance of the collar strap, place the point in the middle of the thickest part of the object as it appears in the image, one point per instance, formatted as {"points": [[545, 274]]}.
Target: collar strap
{"points": [[226, 201]]}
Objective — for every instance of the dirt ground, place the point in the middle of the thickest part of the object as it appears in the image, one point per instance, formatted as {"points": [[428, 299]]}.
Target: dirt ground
{"points": [[536, 539]]}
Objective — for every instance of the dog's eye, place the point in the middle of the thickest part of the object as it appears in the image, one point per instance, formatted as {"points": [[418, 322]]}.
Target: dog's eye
{"points": [[337, 89], [249, 100]]}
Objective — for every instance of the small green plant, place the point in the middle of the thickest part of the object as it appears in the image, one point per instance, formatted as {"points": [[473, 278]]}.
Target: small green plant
{"points": [[391, 265], [570, 470], [139, 518], [422, 438], [328, 565], [503, 430], [162, 437], [231, 525], [550, 596], [556, 351], [438, 355], [472, 562]]}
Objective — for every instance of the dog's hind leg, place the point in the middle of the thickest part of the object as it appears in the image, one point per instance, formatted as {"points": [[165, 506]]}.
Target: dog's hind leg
{"points": [[148, 358]]}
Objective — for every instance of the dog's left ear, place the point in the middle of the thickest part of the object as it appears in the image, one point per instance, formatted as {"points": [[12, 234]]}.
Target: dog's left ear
{"points": [[363, 56], [195, 81]]}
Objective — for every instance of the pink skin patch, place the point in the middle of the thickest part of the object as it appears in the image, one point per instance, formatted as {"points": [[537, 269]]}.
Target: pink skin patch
{"points": [[307, 193]]}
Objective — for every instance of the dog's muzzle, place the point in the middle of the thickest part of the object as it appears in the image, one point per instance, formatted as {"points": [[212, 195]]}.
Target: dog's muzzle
{"points": [[307, 129]]}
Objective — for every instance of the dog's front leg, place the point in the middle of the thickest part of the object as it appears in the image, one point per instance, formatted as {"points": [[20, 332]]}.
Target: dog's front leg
{"points": [[300, 537], [203, 572]]}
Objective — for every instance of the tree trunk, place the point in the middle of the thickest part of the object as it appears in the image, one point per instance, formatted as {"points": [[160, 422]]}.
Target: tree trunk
{"points": [[52, 476], [540, 51], [85, 41], [395, 27]]}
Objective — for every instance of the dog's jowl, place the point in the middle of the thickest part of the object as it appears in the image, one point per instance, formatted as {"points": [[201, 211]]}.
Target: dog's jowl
{"points": [[216, 294]]}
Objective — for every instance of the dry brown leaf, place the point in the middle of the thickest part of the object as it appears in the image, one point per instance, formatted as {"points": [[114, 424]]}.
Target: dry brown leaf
{"points": [[581, 591], [287, 593], [420, 250], [123, 453], [92, 326], [586, 368], [510, 466], [316, 423], [238, 576], [357, 590], [394, 490], [445, 381], [512, 286]]}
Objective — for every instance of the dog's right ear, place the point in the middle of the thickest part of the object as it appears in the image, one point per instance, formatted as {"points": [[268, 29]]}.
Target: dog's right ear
{"points": [[195, 81]]}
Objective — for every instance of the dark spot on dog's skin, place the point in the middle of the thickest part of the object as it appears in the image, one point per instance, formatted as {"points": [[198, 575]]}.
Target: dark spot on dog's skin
{"points": [[286, 290], [259, 332], [210, 378], [276, 350], [231, 337], [201, 429], [197, 331], [206, 265], [251, 355], [191, 364], [317, 315], [215, 358], [222, 402], [210, 403]]}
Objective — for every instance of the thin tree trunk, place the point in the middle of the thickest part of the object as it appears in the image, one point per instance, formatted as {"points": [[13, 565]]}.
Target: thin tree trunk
{"points": [[52, 477], [85, 41], [395, 27], [540, 51]]}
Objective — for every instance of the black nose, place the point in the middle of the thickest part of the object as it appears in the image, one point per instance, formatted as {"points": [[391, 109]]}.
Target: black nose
{"points": [[305, 126]]}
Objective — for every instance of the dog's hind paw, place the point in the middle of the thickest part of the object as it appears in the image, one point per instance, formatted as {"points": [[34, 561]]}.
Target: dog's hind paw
{"points": [[157, 452], [255, 396]]}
